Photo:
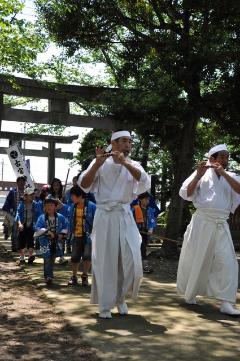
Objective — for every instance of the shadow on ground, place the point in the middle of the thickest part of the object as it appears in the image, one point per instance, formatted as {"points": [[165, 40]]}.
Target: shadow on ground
{"points": [[159, 327]]}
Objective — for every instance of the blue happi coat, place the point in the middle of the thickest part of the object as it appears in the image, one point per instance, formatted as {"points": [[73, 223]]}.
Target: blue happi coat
{"points": [[10, 202], [63, 210], [41, 228], [36, 212], [151, 219], [88, 216]]}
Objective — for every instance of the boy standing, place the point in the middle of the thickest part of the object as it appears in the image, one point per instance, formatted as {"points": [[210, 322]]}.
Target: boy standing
{"points": [[50, 228], [81, 215], [145, 219], [26, 217]]}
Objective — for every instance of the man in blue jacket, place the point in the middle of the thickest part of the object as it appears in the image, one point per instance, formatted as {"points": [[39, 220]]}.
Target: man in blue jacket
{"points": [[10, 207], [27, 214], [81, 215]]}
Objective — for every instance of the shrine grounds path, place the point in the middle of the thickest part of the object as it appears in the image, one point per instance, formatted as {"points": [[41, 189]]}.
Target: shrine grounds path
{"points": [[58, 324]]}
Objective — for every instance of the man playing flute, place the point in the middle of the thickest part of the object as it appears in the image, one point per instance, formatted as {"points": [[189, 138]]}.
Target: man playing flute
{"points": [[115, 180], [208, 264]]}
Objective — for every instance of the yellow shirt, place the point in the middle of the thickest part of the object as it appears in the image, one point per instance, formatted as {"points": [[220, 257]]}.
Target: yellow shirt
{"points": [[79, 221]]}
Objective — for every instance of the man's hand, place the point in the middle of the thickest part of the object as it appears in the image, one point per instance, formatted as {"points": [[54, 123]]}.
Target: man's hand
{"points": [[202, 168], [89, 176], [20, 227], [101, 156], [51, 234], [218, 168], [118, 157]]}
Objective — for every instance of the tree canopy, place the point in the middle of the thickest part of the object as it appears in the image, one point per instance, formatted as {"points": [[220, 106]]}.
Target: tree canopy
{"points": [[20, 40], [183, 56]]}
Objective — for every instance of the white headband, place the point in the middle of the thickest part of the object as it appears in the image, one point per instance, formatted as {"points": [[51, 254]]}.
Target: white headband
{"points": [[217, 148], [120, 134]]}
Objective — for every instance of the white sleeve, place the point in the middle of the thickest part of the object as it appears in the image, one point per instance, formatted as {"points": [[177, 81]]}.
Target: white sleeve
{"points": [[92, 187], [144, 184], [184, 187], [40, 232], [236, 196]]}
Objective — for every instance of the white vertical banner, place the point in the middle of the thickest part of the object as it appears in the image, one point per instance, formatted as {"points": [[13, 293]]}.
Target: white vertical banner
{"points": [[19, 166]]}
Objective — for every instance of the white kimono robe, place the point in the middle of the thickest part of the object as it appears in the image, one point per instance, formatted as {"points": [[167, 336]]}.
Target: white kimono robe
{"points": [[207, 264], [116, 256]]}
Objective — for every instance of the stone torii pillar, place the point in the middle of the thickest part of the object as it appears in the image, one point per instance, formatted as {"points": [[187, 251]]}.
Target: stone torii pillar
{"points": [[51, 161], [55, 106]]}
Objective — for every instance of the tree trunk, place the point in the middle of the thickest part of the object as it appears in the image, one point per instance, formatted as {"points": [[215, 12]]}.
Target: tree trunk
{"points": [[164, 191], [145, 150], [183, 164]]}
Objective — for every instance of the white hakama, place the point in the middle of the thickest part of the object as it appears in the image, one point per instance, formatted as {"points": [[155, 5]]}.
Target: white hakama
{"points": [[116, 255], [207, 264]]}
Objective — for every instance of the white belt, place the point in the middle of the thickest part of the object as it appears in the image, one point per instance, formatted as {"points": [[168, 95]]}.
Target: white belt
{"points": [[115, 206], [217, 216]]}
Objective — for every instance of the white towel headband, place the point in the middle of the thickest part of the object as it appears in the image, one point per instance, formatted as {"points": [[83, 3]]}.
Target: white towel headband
{"points": [[120, 134]]}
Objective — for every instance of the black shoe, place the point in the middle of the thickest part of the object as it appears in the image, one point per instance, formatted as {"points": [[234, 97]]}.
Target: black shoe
{"points": [[48, 281], [31, 259], [84, 280], [62, 261], [73, 281], [21, 262]]}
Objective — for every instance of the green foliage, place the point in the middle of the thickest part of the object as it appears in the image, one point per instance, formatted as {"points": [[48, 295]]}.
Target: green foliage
{"points": [[162, 219], [49, 129], [20, 40], [210, 134], [94, 138], [182, 55]]}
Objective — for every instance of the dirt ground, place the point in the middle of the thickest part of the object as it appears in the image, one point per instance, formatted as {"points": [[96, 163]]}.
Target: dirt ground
{"points": [[59, 324], [30, 327]]}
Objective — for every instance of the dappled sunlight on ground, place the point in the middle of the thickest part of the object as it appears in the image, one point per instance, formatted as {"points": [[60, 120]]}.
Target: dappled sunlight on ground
{"points": [[160, 325]]}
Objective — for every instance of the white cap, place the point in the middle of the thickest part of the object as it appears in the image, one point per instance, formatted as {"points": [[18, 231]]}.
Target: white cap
{"points": [[29, 191], [120, 134], [217, 148]]}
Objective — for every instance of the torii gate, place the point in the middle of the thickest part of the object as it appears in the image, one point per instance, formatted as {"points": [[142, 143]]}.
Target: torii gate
{"points": [[51, 152], [59, 96]]}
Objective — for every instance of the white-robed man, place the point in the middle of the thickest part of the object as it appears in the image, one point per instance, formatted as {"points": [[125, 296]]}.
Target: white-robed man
{"points": [[208, 264], [115, 180]]}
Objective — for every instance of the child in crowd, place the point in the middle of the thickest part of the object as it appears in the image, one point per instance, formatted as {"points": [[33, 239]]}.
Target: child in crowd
{"points": [[44, 192], [51, 227], [81, 215], [146, 222], [56, 191], [26, 217], [10, 207], [68, 198]]}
